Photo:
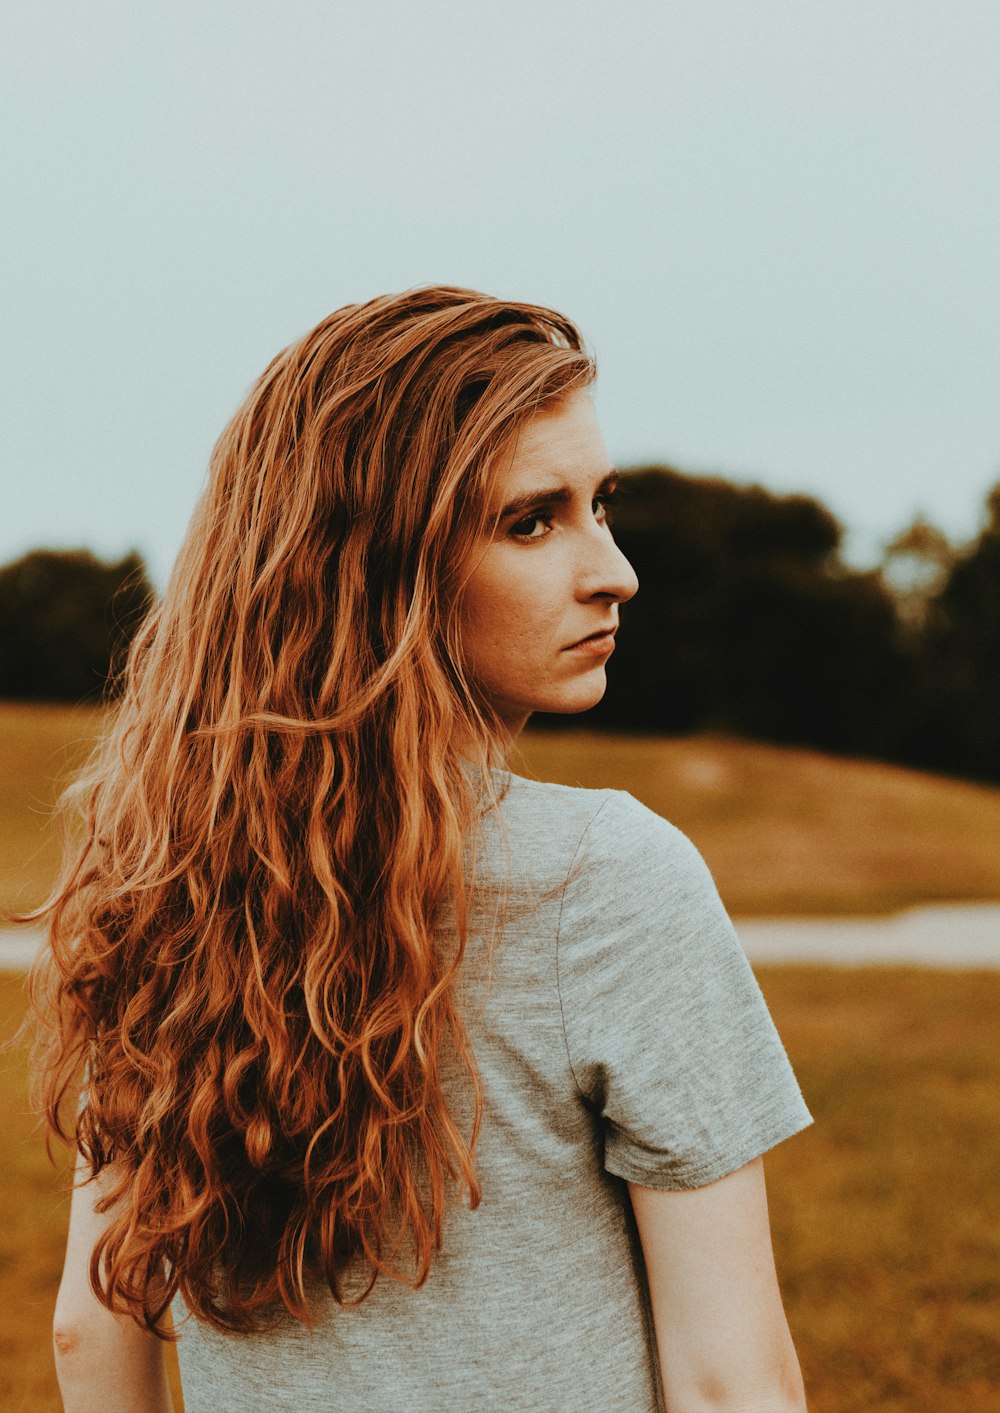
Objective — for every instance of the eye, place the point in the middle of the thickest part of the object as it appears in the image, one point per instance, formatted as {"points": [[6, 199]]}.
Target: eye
{"points": [[607, 500], [525, 529]]}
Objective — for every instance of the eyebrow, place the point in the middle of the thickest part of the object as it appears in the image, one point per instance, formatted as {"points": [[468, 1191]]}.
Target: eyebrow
{"points": [[552, 495]]}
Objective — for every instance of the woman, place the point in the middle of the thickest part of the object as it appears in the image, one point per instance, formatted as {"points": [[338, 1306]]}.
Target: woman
{"points": [[410, 1084]]}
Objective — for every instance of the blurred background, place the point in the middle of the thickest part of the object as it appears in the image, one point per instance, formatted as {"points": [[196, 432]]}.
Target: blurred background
{"points": [[778, 227]]}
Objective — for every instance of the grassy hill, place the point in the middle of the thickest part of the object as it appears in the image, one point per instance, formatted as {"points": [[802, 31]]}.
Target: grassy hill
{"points": [[784, 830]]}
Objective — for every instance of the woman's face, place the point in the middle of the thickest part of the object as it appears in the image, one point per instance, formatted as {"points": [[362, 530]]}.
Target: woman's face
{"points": [[550, 575]]}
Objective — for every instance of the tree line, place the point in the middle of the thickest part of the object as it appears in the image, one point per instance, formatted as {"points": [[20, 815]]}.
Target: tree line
{"points": [[748, 621]]}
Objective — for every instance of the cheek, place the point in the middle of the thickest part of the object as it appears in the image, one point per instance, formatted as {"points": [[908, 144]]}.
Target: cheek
{"points": [[505, 604]]}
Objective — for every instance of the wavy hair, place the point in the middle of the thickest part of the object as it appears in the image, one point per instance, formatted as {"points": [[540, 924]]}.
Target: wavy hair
{"points": [[242, 951]]}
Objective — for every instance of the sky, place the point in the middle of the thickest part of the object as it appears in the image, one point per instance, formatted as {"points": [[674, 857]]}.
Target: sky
{"points": [[777, 223]]}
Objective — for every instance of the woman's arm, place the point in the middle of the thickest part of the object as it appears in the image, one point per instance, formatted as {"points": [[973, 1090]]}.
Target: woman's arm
{"points": [[103, 1361], [721, 1331]]}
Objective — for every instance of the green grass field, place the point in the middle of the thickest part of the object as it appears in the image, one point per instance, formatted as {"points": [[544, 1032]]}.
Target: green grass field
{"points": [[884, 1212]]}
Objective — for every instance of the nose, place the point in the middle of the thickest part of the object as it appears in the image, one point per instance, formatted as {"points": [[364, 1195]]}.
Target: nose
{"points": [[605, 572]]}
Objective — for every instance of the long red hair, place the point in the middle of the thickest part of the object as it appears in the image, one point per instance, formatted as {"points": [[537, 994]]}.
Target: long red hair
{"points": [[242, 957]]}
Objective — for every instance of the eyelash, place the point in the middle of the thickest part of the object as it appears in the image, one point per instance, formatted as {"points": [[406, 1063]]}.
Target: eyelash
{"points": [[606, 498]]}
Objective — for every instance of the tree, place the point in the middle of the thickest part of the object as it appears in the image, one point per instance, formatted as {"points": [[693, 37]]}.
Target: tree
{"points": [[916, 566], [66, 620], [961, 660]]}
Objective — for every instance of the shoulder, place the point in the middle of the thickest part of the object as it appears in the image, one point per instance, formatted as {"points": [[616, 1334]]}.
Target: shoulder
{"points": [[602, 822], [639, 895], [623, 825], [630, 853], [616, 857], [545, 823]]}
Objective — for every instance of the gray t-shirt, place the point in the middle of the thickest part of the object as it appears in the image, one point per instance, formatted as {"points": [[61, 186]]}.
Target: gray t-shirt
{"points": [[620, 1036]]}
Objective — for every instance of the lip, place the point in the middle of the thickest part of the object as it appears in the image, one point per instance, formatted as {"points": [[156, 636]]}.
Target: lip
{"points": [[603, 641]]}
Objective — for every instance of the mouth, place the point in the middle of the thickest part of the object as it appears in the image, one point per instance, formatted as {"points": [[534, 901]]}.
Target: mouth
{"points": [[603, 638]]}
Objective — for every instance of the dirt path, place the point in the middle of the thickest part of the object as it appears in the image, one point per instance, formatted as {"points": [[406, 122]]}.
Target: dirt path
{"points": [[17, 948], [960, 936]]}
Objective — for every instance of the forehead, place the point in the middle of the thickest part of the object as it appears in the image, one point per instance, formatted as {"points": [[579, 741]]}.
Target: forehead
{"points": [[562, 445]]}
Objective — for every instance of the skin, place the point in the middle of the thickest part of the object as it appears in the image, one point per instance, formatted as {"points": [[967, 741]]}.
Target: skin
{"points": [[550, 574], [102, 1360], [721, 1334]]}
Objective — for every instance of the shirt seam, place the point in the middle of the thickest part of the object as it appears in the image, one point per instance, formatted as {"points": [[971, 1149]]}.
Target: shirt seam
{"points": [[562, 901]]}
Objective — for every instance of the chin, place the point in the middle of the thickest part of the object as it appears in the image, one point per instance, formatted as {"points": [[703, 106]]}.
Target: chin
{"points": [[564, 699], [569, 703]]}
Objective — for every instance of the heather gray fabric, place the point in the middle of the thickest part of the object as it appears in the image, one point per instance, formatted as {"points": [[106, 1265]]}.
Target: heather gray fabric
{"points": [[620, 1035]]}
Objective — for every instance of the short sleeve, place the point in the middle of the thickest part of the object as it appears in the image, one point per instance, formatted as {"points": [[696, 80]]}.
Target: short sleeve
{"points": [[669, 1038]]}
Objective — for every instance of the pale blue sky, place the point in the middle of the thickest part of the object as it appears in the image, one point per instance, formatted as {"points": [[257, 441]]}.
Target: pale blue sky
{"points": [[777, 223]]}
